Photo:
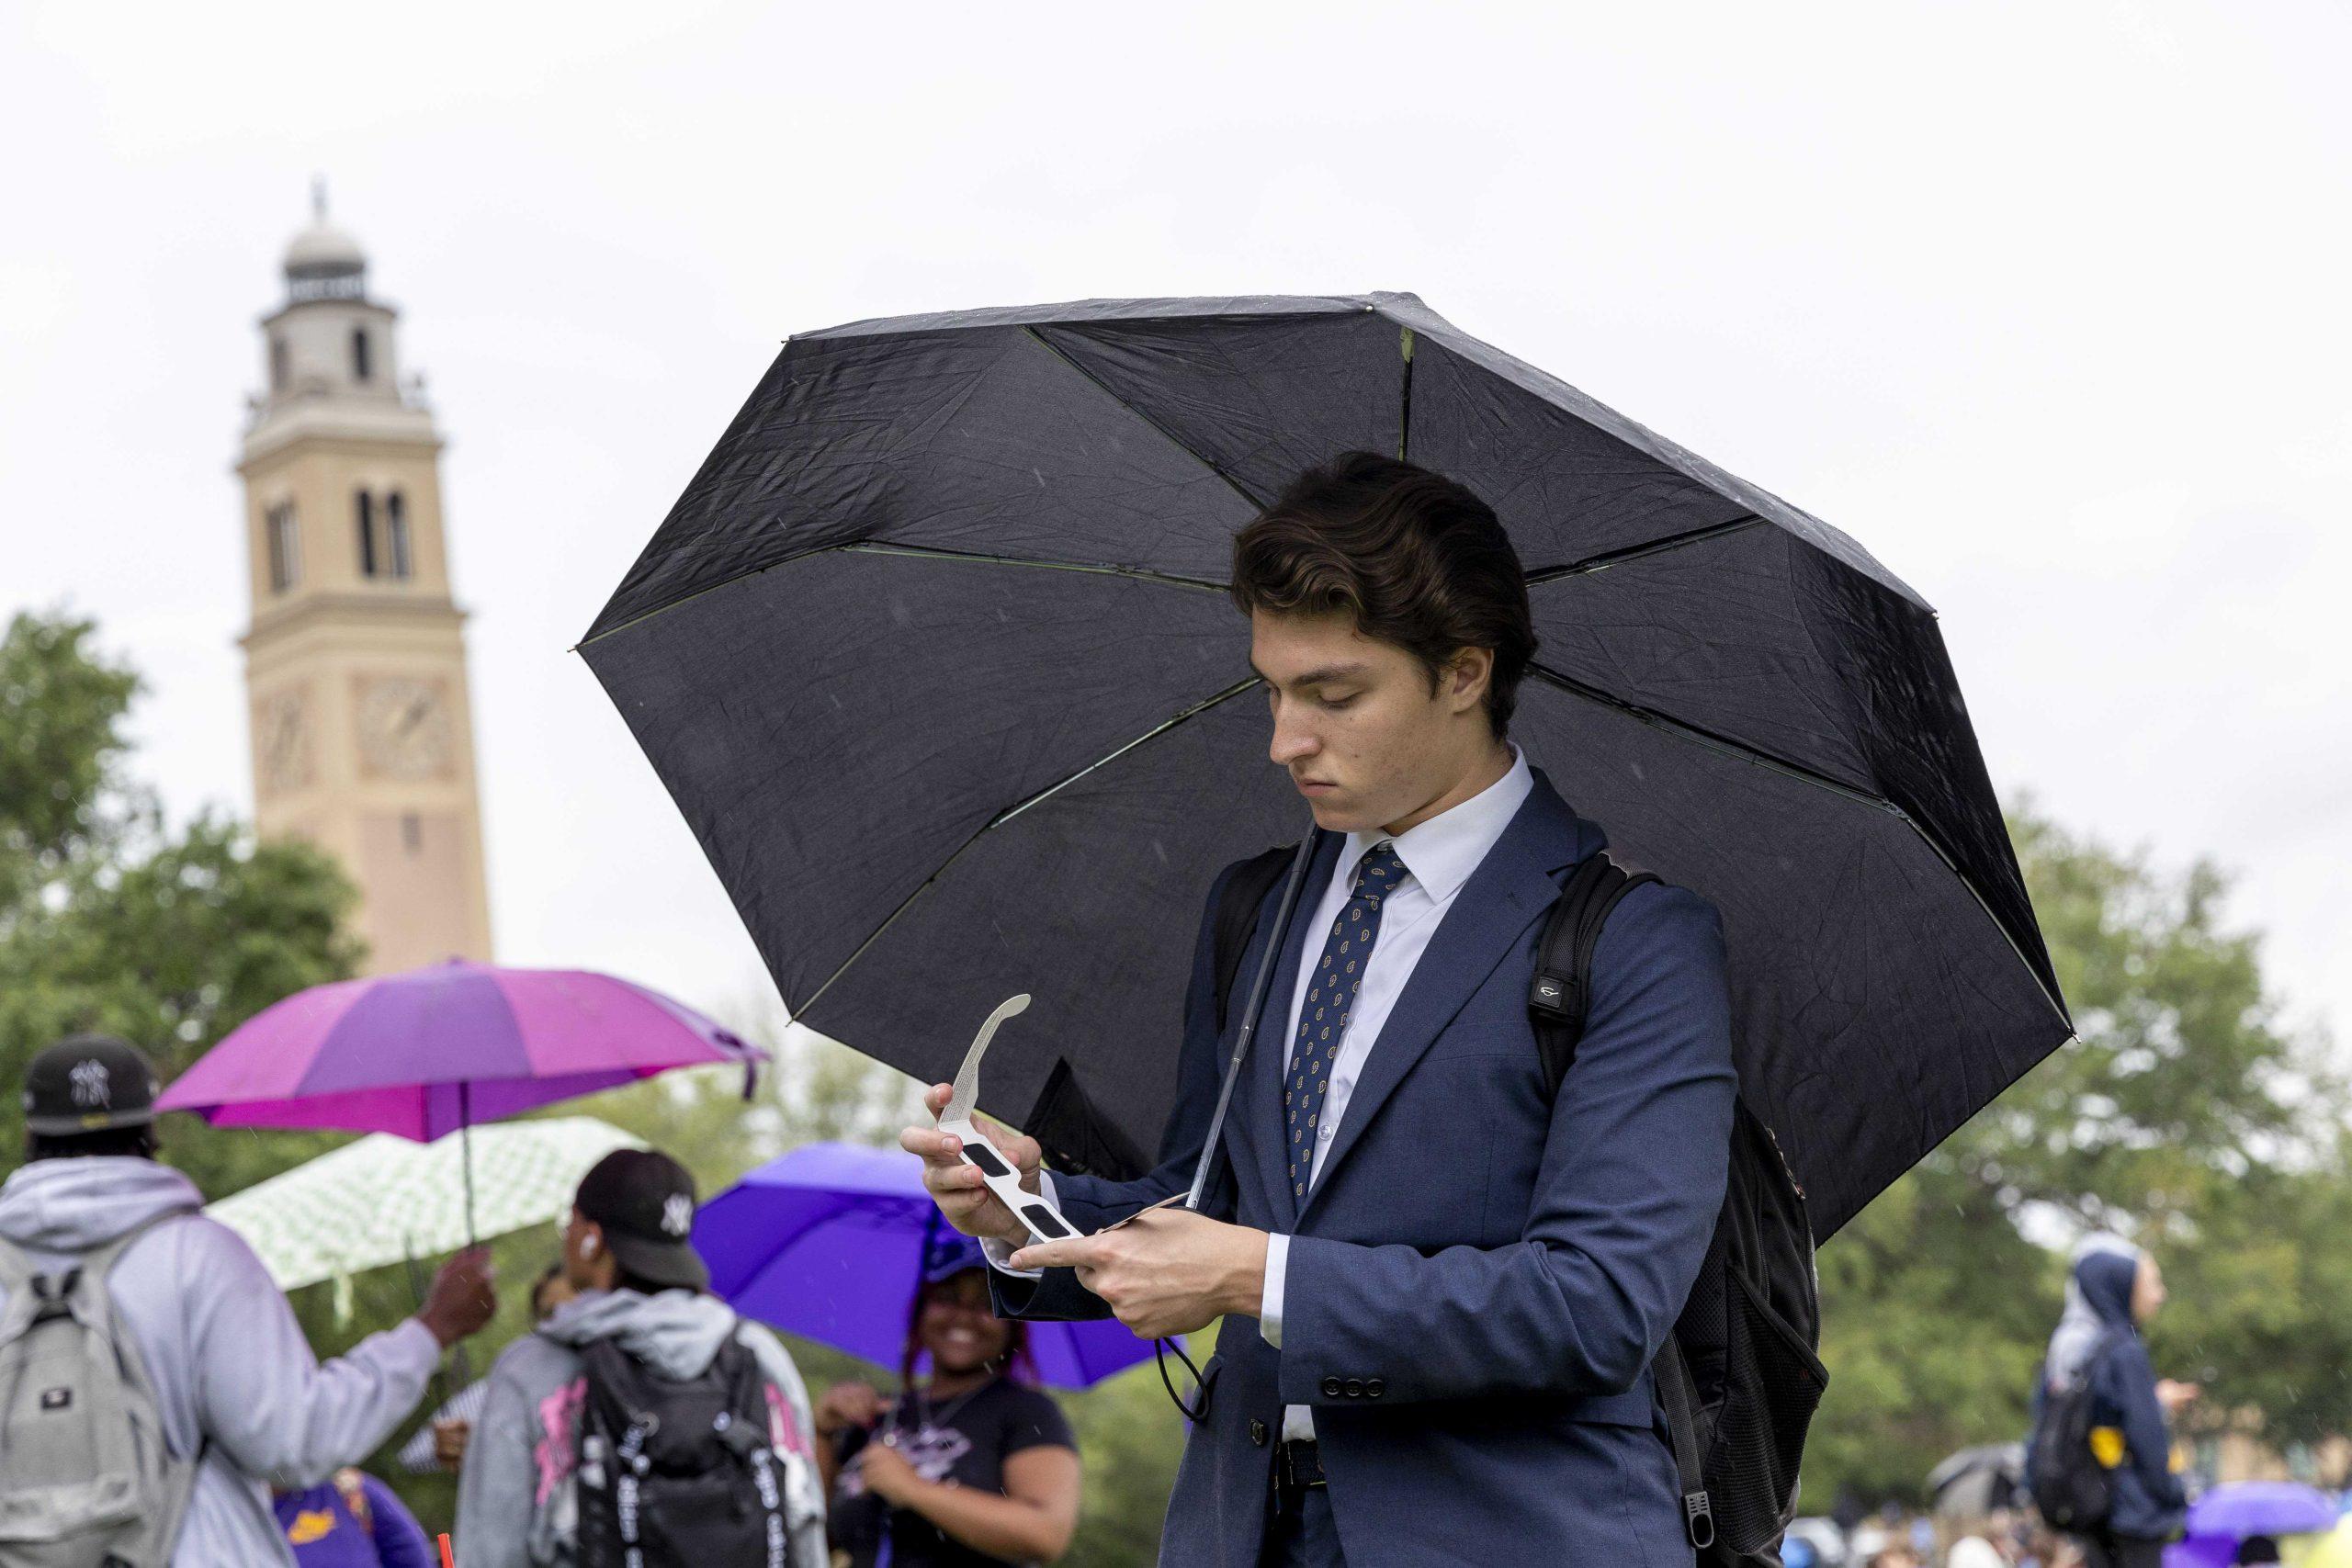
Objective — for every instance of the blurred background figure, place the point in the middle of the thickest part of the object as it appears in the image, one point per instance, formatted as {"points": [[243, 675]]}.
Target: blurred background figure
{"points": [[970, 1467], [2115, 1288], [1987, 1542], [440, 1443], [351, 1520], [644, 1360], [233, 1379]]}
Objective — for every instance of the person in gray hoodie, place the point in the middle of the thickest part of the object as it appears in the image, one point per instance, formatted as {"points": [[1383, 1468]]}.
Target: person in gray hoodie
{"points": [[229, 1368], [641, 1284]]}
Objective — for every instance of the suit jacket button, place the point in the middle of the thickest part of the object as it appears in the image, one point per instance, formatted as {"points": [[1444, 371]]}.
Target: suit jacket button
{"points": [[1330, 1388], [1258, 1433], [1355, 1387], [1374, 1388]]}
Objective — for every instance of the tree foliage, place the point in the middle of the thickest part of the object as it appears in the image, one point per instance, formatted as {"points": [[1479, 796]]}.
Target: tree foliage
{"points": [[2184, 1115], [112, 920]]}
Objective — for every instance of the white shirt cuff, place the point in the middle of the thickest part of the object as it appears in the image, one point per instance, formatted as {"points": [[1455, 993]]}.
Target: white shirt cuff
{"points": [[998, 1251], [1270, 1313]]}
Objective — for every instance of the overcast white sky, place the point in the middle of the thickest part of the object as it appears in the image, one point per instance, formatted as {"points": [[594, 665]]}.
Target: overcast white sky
{"points": [[2046, 303]]}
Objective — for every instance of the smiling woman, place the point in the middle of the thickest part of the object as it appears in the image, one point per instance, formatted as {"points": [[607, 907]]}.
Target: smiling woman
{"points": [[970, 1468]]}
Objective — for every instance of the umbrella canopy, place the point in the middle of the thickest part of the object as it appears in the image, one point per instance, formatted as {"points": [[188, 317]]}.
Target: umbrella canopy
{"points": [[2241, 1508], [383, 1199], [454, 1044], [828, 1242], [935, 655], [1974, 1482]]}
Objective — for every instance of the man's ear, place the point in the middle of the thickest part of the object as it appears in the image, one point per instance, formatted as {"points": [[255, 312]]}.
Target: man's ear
{"points": [[1467, 677]]}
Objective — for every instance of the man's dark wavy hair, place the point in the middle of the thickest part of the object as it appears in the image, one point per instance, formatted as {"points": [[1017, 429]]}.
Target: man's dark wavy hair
{"points": [[1415, 558]]}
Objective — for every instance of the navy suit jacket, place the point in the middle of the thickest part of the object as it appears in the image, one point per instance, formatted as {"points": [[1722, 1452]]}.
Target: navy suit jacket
{"points": [[1481, 1275]]}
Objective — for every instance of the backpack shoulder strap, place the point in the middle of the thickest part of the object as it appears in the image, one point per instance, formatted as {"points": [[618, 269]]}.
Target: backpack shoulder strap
{"points": [[1562, 985], [1672, 1373], [1236, 914], [16, 1270], [99, 1262]]}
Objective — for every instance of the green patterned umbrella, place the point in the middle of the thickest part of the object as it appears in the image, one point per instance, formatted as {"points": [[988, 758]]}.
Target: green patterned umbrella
{"points": [[384, 1199]]}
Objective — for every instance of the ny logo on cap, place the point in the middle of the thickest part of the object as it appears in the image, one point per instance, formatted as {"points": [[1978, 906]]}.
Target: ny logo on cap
{"points": [[677, 1214], [90, 1086]]}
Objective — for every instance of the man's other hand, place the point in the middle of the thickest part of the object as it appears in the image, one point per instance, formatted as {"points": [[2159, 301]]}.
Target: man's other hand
{"points": [[962, 1196], [1166, 1271], [463, 1296]]}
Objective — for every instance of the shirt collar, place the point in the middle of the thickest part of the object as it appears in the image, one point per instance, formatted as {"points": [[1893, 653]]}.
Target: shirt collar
{"points": [[1442, 852]]}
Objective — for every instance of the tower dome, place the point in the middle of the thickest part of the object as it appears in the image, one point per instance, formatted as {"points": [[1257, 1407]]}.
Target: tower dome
{"points": [[324, 262]]}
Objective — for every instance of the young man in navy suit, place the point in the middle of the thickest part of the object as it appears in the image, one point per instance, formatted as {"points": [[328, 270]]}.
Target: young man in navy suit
{"points": [[1442, 1285]]}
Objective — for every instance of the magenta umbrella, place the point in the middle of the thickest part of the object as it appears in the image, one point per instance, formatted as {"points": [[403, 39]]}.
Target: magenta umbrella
{"points": [[435, 1050]]}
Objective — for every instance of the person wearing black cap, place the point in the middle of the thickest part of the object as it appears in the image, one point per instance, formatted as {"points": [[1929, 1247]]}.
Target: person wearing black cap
{"points": [[231, 1376], [643, 1291]]}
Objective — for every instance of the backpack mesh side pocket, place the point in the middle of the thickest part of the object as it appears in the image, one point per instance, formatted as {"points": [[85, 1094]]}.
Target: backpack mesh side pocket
{"points": [[1772, 1385]]}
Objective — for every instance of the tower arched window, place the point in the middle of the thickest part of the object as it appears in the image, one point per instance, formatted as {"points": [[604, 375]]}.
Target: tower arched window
{"points": [[360, 366], [396, 551], [278, 365], [285, 545], [364, 515]]}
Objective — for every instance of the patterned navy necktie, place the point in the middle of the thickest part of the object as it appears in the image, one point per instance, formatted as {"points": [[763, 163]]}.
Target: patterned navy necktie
{"points": [[1323, 1020]]}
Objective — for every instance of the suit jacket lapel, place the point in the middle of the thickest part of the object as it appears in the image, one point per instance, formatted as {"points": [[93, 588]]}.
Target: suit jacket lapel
{"points": [[1258, 1109], [1512, 887]]}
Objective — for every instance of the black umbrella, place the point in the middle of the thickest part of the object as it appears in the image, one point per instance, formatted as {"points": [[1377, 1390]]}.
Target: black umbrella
{"points": [[1973, 1482], [935, 655]]}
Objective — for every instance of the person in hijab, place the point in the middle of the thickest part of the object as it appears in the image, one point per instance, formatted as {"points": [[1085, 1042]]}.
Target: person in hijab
{"points": [[2114, 1289]]}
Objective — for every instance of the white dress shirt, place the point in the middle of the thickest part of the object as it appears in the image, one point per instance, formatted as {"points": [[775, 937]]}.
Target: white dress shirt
{"points": [[1439, 856]]}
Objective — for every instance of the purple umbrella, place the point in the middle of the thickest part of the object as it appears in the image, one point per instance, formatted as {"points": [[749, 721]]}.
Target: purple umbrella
{"points": [[435, 1050], [829, 1241], [2243, 1508]]}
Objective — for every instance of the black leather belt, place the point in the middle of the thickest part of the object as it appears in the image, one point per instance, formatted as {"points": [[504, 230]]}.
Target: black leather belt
{"points": [[1299, 1466]]}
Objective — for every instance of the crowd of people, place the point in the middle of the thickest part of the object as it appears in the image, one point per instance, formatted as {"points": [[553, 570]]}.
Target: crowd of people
{"points": [[244, 1443], [1406, 1371]]}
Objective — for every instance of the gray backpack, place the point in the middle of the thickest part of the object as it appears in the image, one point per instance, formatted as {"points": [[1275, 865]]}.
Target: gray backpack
{"points": [[86, 1478]]}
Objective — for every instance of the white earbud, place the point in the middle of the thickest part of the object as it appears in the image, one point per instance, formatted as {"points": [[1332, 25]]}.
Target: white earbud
{"points": [[588, 1246]]}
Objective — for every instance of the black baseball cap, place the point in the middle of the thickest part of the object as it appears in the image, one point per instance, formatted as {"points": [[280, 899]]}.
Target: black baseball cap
{"points": [[645, 1202], [89, 1083]]}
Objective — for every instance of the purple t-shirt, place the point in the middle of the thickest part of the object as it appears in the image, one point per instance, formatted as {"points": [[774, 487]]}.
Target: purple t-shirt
{"points": [[323, 1532]]}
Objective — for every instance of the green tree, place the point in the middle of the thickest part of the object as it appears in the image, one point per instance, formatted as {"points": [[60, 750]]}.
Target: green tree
{"points": [[2184, 1115], [110, 920]]}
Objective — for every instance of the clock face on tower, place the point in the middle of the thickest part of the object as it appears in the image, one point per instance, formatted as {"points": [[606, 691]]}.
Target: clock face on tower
{"points": [[282, 729], [406, 730]]}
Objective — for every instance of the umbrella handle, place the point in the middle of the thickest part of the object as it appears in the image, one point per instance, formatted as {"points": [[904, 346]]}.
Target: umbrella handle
{"points": [[1265, 975], [466, 1152]]}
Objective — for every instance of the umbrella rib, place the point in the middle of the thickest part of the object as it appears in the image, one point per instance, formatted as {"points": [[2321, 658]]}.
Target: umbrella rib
{"points": [[1009, 813], [1607, 559], [872, 548], [930, 552], [1405, 397], [1256, 505], [1741, 751]]}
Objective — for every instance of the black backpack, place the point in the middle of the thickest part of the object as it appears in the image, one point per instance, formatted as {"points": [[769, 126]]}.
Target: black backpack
{"points": [[2069, 1486], [1739, 1377], [679, 1474]]}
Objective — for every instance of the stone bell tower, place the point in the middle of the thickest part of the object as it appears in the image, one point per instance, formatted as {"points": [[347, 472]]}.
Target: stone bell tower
{"points": [[356, 657]]}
